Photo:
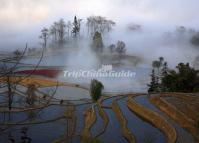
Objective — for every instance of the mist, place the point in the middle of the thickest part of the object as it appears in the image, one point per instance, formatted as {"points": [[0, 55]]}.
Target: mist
{"points": [[150, 43], [157, 36]]}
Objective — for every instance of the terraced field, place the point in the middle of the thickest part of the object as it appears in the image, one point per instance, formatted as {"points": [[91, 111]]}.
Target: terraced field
{"points": [[119, 118]]}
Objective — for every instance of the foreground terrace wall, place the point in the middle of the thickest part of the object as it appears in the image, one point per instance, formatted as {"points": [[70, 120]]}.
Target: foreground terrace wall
{"points": [[90, 119], [126, 133], [176, 115], [153, 118]]}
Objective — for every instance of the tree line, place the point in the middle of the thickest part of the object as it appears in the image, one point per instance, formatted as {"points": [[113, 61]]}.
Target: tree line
{"points": [[61, 32], [183, 79]]}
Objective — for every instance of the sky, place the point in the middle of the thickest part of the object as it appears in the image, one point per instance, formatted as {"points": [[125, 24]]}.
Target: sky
{"points": [[22, 19], [34, 11]]}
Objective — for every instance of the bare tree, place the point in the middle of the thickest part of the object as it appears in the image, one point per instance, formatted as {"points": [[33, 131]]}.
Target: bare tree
{"points": [[7, 72], [100, 24], [44, 36], [54, 31], [61, 31], [69, 26]]}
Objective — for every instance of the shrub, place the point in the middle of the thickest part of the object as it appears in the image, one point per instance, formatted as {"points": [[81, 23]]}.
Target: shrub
{"points": [[96, 89], [195, 39]]}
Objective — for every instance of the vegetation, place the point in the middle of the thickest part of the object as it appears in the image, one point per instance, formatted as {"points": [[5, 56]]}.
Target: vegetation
{"points": [[158, 64], [195, 39], [99, 24], [76, 27], [119, 48], [96, 89], [184, 79], [44, 36], [97, 44], [61, 32], [58, 32], [159, 70], [153, 86]]}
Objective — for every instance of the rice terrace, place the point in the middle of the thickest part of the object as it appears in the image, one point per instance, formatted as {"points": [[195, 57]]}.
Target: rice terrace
{"points": [[99, 71]]}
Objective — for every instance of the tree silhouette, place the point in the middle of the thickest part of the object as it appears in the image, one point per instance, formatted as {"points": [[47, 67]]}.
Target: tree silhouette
{"points": [[100, 24], [156, 64], [44, 36], [61, 31], [97, 44], [153, 86], [69, 26], [76, 27], [54, 31], [120, 48]]}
